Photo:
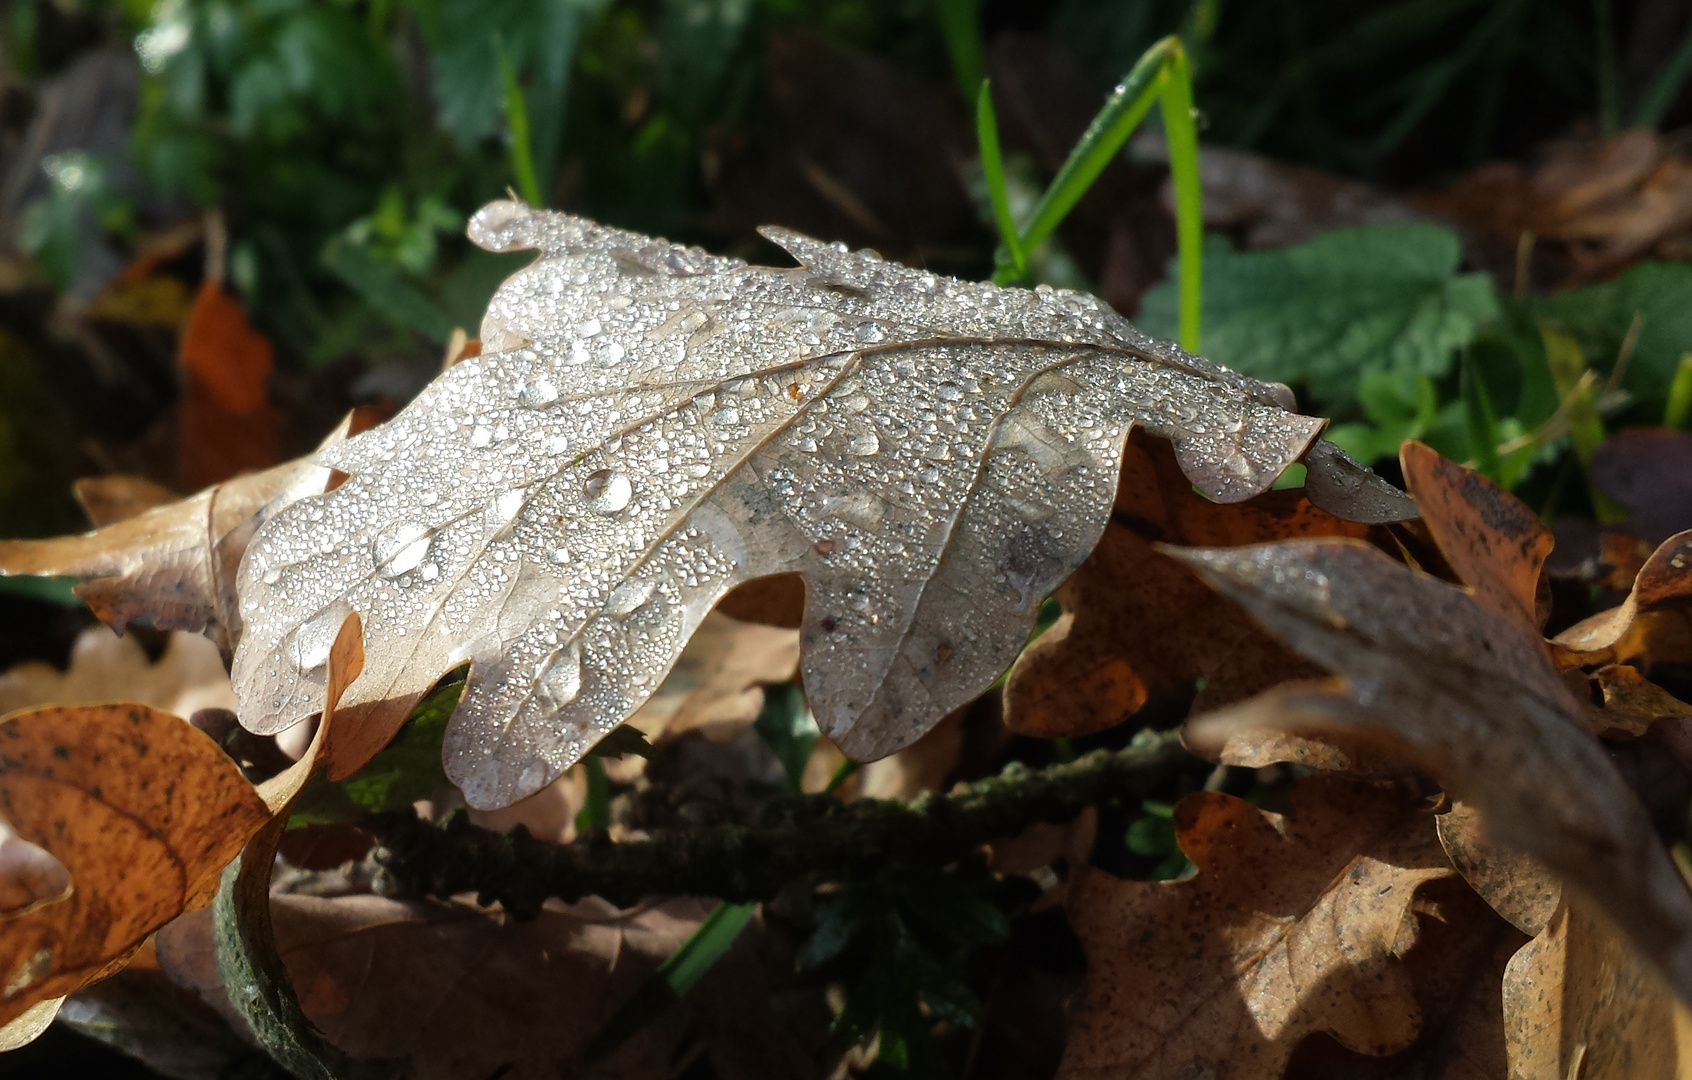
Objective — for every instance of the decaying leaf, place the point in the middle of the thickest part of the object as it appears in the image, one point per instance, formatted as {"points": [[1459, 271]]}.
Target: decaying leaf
{"points": [[1292, 925], [1654, 623], [142, 809], [1632, 703], [106, 499], [106, 669], [1512, 884], [456, 993], [1471, 696], [1136, 621], [716, 684], [650, 426], [30, 877], [1489, 537], [225, 423], [173, 566], [1578, 1002]]}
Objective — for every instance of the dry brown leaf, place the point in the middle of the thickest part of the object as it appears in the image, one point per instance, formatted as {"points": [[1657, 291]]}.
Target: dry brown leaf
{"points": [[1262, 732], [715, 687], [1496, 545], [1514, 885], [30, 877], [1633, 703], [141, 808], [1654, 623], [1579, 1003], [1291, 926], [106, 669], [1472, 697], [1136, 621], [174, 566], [454, 992], [108, 499], [650, 426]]}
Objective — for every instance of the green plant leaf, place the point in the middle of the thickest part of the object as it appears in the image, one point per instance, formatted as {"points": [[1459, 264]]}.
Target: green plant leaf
{"points": [[1378, 297], [786, 726], [382, 287]]}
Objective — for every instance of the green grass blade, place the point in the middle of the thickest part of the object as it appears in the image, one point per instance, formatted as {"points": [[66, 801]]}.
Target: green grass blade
{"points": [[517, 121], [675, 977], [960, 22], [1666, 87], [1679, 409], [993, 168], [1122, 113], [595, 813], [382, 287], [1182, 135]]}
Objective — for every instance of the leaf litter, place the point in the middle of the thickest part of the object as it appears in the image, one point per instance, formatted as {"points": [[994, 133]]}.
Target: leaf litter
{"points": [[649, 426]]}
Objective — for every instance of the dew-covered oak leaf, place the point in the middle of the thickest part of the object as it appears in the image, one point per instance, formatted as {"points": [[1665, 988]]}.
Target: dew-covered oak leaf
{"points": [[649, 426]]}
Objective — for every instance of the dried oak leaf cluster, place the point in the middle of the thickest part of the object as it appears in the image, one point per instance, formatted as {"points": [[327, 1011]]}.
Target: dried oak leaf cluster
{"points": [[647, 427], [1358, 915]]}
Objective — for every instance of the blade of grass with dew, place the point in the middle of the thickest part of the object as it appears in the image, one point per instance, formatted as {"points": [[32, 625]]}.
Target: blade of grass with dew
{"points": [[993, 170], [675, 977], [517, 123], [1098, 145], [1679, 408], [960, 22]]}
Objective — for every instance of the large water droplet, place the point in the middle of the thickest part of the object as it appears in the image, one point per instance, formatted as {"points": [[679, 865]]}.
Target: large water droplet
{"points": [[627, 597], [538, 392], [871, 332], [607, 492], [400, 550], [864, 442], [728, 416], [316, 637], [560, 676], [482, 436]]}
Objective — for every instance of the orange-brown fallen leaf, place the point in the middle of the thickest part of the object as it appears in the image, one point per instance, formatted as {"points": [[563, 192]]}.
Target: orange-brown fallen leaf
{"points": [[173, 567], [1496, 545], [716, 685], [1292, 925], [1578, 1002], [1136, 622], [143, 811], [1471, 696], [1514, 885], [226, 424]]}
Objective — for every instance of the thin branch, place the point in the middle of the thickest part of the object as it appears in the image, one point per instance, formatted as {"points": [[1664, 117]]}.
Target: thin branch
{"points": [[788, 839]]}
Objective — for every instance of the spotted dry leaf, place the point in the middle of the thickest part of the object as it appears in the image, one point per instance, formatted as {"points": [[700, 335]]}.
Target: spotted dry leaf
{"points": [[1293, 924], [1470, 695], [650, 425]]}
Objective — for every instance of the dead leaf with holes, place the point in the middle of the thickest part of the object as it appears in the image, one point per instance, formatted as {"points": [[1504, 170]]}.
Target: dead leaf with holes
{"points": [[649, 426], [1292, 925], [1471, 696], [172, 566], [141, 809], [1137, 622]]}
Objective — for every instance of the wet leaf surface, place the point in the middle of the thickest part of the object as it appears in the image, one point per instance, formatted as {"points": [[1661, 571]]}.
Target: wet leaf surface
{"points": [[650, 426]]}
